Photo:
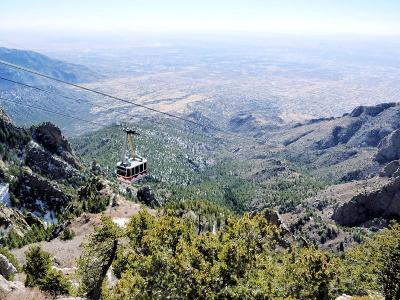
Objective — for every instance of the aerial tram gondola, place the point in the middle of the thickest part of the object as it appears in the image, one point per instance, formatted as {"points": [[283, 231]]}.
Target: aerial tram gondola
{"points": [[132, 166]]}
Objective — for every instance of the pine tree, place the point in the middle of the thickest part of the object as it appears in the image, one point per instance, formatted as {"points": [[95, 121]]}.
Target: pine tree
{"points": [[389, 276], [38, 263], [97, 258]]}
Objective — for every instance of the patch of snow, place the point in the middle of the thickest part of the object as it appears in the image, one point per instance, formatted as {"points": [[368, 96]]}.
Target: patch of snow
{"points": [[33, 144], [5, 195], [50, 217], [214, 229], [111, 278], [121, 222], [40, 203]]}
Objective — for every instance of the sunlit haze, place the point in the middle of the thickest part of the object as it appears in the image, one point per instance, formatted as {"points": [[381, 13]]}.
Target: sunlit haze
{"points": [[364, 17]]}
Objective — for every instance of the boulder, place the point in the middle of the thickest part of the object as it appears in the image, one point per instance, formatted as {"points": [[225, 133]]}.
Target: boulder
{"points": [[389, 148], [7, 287], [146, 196], [7, 270]]}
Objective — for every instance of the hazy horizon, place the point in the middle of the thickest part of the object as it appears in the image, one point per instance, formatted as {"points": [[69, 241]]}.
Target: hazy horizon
{"points": [[303, 17]]}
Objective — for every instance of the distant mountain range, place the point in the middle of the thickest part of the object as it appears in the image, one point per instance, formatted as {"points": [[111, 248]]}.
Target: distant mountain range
{"points": [[62, 70], [73, 73]]}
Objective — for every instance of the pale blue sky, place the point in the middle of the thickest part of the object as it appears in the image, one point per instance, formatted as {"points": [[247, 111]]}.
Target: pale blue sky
{"points": [[380, 17]]}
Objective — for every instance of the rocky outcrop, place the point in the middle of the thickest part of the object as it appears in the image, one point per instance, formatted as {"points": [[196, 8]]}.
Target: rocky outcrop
{"points": [[373, 137], [392, 169], [5, 118], [49, 136], [43, 162], [284, 238], [37, 194], [146, 196], [389, 148], [383, 203], [11, 135], [339, 135], [371, 110], [12, 220], [7, 287], [7, 270], [273, 217]]}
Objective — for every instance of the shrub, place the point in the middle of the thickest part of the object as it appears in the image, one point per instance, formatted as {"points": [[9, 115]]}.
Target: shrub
{"points": [[37, 265], [389, 275], [55, 283], [67, 234], [39, 272]]}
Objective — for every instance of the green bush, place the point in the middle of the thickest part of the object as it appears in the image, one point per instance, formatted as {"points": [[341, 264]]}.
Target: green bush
{"points": [[389, 275], [35, 234], [55, 283], [39, 272], [67, 234], [38, 264]]}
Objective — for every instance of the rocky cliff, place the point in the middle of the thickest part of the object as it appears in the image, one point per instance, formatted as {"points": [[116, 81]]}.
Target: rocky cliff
{"points": [[41, 170], [344, 146]]}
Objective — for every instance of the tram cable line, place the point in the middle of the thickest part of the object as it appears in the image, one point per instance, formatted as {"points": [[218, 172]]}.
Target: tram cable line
{"points": [[132, 166], [50, 111], [115, 110], [79, 100], [20, 68]]}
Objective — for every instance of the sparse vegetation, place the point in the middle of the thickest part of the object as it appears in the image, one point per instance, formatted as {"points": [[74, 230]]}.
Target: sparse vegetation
{"points": [[39, 272], [34, 234], [67, 234]]}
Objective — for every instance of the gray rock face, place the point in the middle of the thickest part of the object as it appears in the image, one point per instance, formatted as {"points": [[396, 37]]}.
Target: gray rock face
{"points": [[371, 110], [43, 162], [13, 220], [392, 169], [389, 148], [6, 268], [147, 197], [7, 287], [39, 194], [49, 136], [384, 203]]}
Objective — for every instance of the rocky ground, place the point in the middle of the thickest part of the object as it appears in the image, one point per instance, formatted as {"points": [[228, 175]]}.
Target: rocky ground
{"points": [[66, 252]]}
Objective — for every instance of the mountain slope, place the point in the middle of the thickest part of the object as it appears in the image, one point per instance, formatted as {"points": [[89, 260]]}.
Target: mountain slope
{"points": [[342, 147], [26, 96], [32, 60], [40, 173]]}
